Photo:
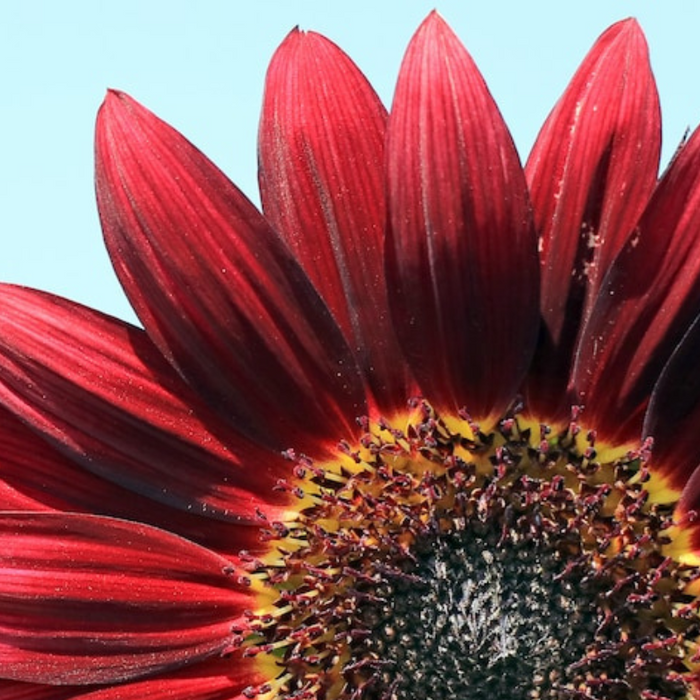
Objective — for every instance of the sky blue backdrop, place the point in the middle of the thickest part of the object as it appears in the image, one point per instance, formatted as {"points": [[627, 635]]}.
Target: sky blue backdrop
{"points": [[201, 67]]}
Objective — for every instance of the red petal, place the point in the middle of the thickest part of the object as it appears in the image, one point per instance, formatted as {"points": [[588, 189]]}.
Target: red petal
{"points": [[85, 599], [646, 303], [101, 393], [213, 679], [322, 187], [35, 477], [14, 690], [216, 290], [590, 172], [673, 415], [463, 269], [686, 541]]}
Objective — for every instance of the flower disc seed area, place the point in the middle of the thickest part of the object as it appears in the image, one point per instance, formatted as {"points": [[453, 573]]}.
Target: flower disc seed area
{"points": [[471, 611], [439, 562]]}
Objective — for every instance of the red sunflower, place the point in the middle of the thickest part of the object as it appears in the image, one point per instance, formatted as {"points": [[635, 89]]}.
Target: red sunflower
{"points": [[425, 428]]}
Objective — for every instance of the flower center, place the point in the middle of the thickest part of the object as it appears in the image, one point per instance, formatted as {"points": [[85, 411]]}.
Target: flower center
{"points": [[439, 562], [470, 615]]}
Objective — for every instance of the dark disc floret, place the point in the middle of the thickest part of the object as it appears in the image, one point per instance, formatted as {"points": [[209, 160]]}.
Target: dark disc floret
{"points": [[472, 611], [434, 563]]}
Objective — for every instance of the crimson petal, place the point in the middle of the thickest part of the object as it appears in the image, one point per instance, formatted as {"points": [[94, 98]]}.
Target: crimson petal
{"points": [[686, 512], [86, 600], [322, 187], [100, 391], [673, 415], [217, 291], [212, 679], [648, 300], [590, 172], [463, 268], [36, 477], [17, 690]]}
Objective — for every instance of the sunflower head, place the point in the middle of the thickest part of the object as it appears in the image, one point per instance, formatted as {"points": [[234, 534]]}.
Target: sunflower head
{"points": [[425, 427]]}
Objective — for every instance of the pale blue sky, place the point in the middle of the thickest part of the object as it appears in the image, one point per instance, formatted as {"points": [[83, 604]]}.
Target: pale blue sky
{"points": [[200, 65]]}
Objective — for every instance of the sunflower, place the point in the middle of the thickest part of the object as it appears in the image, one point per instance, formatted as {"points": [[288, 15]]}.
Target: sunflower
{"points": [[427, 427]]}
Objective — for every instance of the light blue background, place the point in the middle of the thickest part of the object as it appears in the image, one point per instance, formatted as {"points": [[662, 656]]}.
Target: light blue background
{"points": [[200, 65]]}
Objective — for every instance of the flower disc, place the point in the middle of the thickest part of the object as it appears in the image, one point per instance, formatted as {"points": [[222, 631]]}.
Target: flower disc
{"points": [[441, 562]]}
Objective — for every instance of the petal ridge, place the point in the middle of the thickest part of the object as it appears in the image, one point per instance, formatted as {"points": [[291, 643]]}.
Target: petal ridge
{"points": [[591, 172], [462, 260], [87, 600], [321, 160], [216, 289]]}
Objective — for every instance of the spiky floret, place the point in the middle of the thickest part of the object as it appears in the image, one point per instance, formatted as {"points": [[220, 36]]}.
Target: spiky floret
{"points": [[444, 561]]}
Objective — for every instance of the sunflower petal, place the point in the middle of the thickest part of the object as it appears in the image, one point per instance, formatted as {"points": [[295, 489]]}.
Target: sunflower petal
{"points": [[17, 690], [463, 269], [322, 187], [36, 477], [101, 393], [591, 172], [216, 290], [213, 679], [646, 303], [85, 599], [673, 415]]}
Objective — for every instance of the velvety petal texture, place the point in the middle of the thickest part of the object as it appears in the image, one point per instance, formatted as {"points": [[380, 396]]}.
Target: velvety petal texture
{"points": [[462, 262], [18, 690], [674, 413], [216, 289], [321, 177], [122, 600], [590, 173], [212, 679], [647, 301], [103, 395], [37, 477]]}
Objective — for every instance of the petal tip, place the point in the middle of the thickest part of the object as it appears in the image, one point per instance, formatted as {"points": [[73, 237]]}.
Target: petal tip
{"points": [[304, 41], [115, 104], [434, 23], [115, 97], [628, 31]]}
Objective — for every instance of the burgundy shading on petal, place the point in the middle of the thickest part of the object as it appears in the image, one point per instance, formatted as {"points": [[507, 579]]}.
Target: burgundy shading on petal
{"points": [[686, 515], [36, 477], [673, 415], [212, 679], [462, 258], [590, 173], [322, 185], [101, 393], [216, 290], [17, 690], [647, 301], [85, 600]]}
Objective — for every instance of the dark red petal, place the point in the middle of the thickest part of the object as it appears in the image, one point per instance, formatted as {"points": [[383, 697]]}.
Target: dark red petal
{"points": [[647, 301], [36, 477], [322, 187], [86, 599], [591, 172], [463, 268], [100, 391], [213, 679], [216, 289], [686, 535], [673, 416], [16, 690]]}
